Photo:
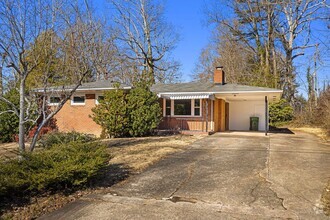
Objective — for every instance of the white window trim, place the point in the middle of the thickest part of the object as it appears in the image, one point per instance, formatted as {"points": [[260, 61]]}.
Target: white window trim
{"points": [[72, 103], [97, 98], [193, 107], [53, 104], [183, 116]]}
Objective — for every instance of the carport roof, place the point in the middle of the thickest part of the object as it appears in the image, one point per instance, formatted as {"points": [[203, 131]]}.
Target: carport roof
{"points": [[208, 87]]}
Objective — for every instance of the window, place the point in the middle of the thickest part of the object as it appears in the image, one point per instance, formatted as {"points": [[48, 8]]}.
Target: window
{"points": [[168, 107], [182, 107], [54, 100], [197, 107], [100, 98], [78, 100]]}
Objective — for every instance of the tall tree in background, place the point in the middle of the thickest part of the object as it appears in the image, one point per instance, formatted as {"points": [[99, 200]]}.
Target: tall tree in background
{"points": [[293, 28], [146, 39], [273, 32], [44, 39]]}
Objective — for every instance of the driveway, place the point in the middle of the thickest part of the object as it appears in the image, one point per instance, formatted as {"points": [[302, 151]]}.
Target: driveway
{"points": [[223, 176]]}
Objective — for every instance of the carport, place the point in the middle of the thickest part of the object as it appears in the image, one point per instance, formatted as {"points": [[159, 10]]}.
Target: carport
{"points": [[233, 110]]}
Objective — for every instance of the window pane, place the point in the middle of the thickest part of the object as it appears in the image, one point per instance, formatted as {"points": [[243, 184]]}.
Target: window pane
{"points": [[100, 98], [197, 111], [182, 107], [168, 103], [168, 107], [197, 103], [54, 100], [79, 99], [168, 111]]}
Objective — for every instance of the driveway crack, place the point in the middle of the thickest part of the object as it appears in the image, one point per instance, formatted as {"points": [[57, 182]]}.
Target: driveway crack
{"points": [[190, 172]]}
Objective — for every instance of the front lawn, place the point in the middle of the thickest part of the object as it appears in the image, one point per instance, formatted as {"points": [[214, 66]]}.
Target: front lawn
{"points": [[127, 156]]}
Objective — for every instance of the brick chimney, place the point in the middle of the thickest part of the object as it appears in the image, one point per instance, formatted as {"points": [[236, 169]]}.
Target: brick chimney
{"points": [[219, 76]]}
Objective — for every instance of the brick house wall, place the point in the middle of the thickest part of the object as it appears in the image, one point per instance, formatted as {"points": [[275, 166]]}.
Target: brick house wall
{"points": [[77, 117]]}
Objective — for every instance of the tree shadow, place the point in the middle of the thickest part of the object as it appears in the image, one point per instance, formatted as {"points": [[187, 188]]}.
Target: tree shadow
{"points": [[279, 130], [110, 175]]}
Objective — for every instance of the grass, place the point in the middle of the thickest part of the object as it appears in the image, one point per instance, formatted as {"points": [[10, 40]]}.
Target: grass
{"points": [[139, 153], [320, 132], [129, 156]]}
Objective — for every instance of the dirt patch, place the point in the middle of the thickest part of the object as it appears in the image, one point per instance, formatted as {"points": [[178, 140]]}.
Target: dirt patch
{"points": [[129, 155]]}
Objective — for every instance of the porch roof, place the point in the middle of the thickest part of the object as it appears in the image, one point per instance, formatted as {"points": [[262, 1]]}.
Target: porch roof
{"points": [[186, 96], [208, 87]]}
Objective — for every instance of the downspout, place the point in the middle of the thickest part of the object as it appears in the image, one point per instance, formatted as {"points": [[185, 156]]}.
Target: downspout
{"points": [[207, 114]]}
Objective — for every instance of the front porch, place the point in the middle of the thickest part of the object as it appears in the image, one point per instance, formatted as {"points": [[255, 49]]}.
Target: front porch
{"points": [[211, 118]]}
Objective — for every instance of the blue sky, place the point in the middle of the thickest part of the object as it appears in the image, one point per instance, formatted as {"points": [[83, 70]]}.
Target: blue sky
{"points": [[188, 16]]}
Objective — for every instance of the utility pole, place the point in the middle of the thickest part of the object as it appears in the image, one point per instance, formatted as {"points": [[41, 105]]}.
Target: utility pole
{"points": [[1, 84], [315, 83]]}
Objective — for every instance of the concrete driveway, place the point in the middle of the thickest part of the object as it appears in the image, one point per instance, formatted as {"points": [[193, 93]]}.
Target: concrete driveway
{"points": [[223, 176]]}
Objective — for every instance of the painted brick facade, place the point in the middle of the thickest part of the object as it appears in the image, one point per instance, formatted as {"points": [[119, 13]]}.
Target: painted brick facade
{"points": [[77, 117]]}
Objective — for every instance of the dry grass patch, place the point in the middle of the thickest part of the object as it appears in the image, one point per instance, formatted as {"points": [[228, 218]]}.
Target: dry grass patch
{"points": [[320, 132], [8, 150], [139, 153], [326, 199]]}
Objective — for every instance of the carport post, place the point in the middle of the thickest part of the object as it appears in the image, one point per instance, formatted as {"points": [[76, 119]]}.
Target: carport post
{"points": [[266, 115]]}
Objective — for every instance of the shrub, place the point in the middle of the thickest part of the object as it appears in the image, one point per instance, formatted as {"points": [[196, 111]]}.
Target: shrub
{"points": [[55, 138], [111, 113], [136, 113], [280, 112], [9, 121], [144, 111], [58, 167]]}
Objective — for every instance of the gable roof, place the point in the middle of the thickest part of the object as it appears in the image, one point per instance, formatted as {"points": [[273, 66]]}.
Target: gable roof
{"points": [[208, 87]]}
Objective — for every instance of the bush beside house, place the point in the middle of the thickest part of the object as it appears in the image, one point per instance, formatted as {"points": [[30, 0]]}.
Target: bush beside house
{"points": [[137, 113], [144, 111]]}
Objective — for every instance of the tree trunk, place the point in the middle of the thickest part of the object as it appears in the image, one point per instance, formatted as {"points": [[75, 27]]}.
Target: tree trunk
{"points": [[36, 135], [21, 133]]}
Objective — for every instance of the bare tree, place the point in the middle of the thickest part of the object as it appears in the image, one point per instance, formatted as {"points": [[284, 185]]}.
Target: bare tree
{"points": [[250, 24], [276, 31], [206, 62], [294, 19], [22, 24], [145, 38]]}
